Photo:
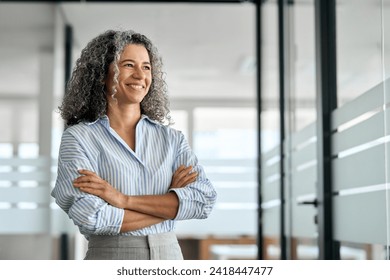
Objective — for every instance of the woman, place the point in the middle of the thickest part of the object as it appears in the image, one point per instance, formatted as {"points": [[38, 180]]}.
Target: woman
{"points": [[124, 176]]}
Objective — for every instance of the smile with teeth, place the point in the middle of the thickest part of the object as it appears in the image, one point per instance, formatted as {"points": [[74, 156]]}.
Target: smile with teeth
{"points": [[136, 86]]}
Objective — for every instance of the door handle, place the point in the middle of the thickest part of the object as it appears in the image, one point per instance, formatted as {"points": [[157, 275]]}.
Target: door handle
{"points": [[313, 202]]}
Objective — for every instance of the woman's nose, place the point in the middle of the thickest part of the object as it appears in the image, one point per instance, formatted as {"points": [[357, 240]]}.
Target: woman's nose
{"points": [[138, 73]]}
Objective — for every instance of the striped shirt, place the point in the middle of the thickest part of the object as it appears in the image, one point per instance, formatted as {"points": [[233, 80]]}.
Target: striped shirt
{"points": [[160, 150]]}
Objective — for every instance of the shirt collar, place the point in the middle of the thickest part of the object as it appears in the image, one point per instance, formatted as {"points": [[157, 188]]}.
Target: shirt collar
{"points": [[103, 119], [106, 121], [145, 117]]}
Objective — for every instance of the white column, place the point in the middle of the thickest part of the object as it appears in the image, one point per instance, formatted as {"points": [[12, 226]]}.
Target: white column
{"points": [[45, 103], [45, 106]]}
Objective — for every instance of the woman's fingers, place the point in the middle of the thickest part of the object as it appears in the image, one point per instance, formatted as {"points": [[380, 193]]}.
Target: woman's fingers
{"points": [[91, 185], [181, 172], [176, 175], [188, 178], [183, 176], [87, 179], [89, 182], [87, 176], [86, 172], [181, 168]]}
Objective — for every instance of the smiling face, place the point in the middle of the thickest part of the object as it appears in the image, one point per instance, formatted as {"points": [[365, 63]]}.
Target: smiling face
{"points": [[135, 75]]}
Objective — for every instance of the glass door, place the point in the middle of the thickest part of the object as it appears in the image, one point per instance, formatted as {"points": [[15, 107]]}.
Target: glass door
{"points": [[359, 123], [300, 144]]}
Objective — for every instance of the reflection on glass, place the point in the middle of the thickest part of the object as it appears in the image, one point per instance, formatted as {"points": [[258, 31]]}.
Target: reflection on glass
{"points": [[359, 47]]}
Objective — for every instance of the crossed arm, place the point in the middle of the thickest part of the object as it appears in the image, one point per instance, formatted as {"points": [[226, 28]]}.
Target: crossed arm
{"points": [[140, 211]]}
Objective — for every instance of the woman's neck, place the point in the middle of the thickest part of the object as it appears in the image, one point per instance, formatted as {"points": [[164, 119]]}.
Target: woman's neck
{"points": [[124, 117]]}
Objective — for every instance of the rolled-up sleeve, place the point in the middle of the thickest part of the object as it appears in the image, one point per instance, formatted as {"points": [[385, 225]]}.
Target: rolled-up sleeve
{"points": [[197, 199], [90, 213]]}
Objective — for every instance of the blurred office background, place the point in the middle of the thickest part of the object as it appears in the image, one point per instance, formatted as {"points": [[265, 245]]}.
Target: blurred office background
{"points": [[284, 102], [209, 56]]}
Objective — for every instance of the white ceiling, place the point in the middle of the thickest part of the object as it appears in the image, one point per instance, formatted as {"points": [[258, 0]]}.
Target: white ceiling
{"points": [[208, 49]]}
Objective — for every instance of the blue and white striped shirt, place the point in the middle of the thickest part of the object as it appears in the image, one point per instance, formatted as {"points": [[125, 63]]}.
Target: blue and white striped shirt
{"points": [[160, 150]]}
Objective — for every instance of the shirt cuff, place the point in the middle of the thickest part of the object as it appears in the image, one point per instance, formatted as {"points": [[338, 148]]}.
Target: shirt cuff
{"points": [[189, 208], [109, 220]]}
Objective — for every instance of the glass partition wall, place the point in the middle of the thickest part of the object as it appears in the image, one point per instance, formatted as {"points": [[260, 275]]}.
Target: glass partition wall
{"points": [[288, 163], [358, 156], [359, 131]]}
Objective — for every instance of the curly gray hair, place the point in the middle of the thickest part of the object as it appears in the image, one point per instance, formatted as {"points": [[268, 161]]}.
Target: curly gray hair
{"points": [[85, 98]]}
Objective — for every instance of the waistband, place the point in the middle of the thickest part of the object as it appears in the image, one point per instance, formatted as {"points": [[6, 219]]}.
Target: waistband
{"points": [[130, 241]]}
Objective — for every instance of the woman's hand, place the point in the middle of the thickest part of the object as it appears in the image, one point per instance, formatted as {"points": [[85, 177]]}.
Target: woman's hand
{"points": [[182, 177], [91, 183]]}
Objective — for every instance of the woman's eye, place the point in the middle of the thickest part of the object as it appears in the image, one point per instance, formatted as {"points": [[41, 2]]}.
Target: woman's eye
{"points": [[147, 67], [128, 65]]}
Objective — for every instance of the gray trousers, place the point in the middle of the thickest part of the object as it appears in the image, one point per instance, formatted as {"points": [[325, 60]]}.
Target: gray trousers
{"points": [[163, 246]]}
